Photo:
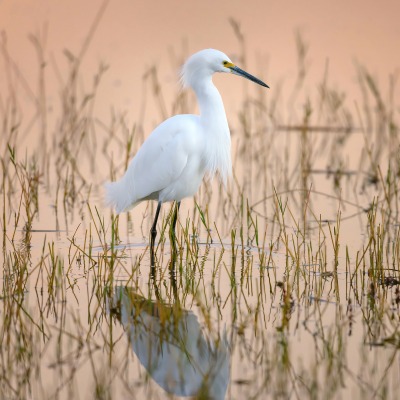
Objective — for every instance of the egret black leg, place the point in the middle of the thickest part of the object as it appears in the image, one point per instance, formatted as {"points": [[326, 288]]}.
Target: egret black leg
{"points": [[178, 204], [172, 232], [154, 233]]}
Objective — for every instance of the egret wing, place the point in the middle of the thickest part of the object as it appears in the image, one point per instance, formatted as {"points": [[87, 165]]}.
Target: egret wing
{"points": [[163, 156]]}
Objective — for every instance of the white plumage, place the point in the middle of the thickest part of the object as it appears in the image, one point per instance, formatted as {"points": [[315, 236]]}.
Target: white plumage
{"points": [[173, 160]]}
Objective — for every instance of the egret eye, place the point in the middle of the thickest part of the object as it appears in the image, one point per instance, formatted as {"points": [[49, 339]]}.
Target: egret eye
{"points": [[225, 63]]}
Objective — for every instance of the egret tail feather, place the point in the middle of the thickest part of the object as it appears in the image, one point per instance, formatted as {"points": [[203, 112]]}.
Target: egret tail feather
{"points": [[118, 196]]}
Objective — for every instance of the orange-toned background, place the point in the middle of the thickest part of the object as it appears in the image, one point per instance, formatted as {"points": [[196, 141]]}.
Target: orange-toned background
{"points": [[132, 35]]}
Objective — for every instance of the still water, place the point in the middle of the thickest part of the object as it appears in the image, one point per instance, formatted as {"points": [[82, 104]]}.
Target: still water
{"points": [[285, 284]]}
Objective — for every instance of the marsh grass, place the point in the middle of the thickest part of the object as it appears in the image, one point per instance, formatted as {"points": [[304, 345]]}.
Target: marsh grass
{"points": [[293, 268]]}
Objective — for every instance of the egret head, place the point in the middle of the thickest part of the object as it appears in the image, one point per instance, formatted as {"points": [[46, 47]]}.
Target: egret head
{"points": [[205, 63]]}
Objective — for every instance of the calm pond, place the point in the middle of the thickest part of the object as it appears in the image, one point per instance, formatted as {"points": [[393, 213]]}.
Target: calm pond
{"points": [[284, 285]]}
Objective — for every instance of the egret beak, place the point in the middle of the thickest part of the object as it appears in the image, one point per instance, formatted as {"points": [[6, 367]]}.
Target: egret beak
{"points": [[237, 71]]}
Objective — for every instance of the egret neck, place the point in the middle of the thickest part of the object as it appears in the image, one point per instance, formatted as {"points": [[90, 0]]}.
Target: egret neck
{"points": [[217, 155]]}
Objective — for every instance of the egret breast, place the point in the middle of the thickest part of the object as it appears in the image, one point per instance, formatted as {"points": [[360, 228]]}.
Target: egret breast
{"points": [[188, 183]]}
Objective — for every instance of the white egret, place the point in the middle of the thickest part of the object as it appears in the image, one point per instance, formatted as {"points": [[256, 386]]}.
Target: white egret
{"points": [[173, 160]]}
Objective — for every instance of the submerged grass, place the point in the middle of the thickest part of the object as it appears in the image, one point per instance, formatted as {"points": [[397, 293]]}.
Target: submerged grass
{"points": [[284, 285]]}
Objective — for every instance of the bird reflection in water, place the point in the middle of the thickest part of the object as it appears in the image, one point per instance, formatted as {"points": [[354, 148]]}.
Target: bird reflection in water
{"points": [[173, 347]]}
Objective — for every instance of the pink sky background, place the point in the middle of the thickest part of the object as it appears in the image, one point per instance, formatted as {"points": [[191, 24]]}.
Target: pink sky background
{"points": [[133, 35]]}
